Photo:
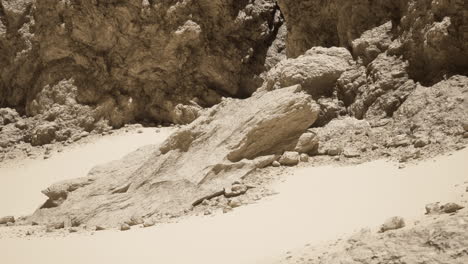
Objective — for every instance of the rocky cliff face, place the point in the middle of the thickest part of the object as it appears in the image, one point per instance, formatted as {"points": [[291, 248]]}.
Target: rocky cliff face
{"points": [[431, 35], [134, 60], [394, 85]]}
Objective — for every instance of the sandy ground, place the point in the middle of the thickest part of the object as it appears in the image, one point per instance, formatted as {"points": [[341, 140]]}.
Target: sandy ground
{"points": [[314, 205], [22, 181]]}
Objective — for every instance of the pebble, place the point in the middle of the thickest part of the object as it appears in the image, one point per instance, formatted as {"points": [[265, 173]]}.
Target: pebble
{"points": [[124, 227], [393, 223], [233, 203], [289, 158], [148, 223], [276, 164]]}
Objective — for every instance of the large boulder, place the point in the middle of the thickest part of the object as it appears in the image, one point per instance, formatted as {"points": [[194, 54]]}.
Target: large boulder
{"points": [[220, 147], [316, 71]]}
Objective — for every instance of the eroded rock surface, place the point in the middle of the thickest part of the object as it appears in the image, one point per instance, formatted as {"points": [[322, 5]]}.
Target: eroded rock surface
{"points": [[432, 35], [134, 60], [227, 143]]}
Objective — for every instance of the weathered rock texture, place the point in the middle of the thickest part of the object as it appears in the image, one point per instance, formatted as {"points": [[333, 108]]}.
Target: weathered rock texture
{"points": [[356, 79], [427, 123], [228, 142], [134, 60], [432, 35]]}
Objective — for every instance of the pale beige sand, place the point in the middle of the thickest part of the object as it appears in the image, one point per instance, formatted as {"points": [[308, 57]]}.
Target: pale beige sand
{"points": [[314, 205], [21, 183]]}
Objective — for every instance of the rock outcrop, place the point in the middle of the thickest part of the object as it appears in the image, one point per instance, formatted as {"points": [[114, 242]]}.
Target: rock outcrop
{"points": [[135, 60], [431, 35], [222, 146], [428, 122]]}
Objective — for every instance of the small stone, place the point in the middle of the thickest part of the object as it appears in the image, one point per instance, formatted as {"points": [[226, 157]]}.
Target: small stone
{"points": [[7, 219], [334, 151], [10, 224], [235, 190], [275, 164], [399, 141], [433, 208], [140, 131], [465, 126], [207, 212], [233, 203], [226, 210], [124, 227], [449, 208], [73, 230], [421, 142], [351, 153], [148, 223], [289, 158], [465, 135], [135, 221], [304, 157], [392, 224], [100, 228], [307, 143], [21, 125], [84, 134], [57, 225]]}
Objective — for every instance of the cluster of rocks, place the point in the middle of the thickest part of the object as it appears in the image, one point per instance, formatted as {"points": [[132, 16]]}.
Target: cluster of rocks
{"points": [[7, 220], [398, 222], [31, 137], [55, 117], [441, 239]]}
